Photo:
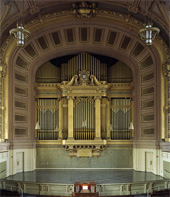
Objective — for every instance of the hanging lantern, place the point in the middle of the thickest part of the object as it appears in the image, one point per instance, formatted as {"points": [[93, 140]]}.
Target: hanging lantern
{"points": [[148, 33], [20, 34]]}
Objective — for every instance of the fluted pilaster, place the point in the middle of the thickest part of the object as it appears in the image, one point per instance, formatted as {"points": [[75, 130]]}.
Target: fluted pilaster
{"points": [[70, 117]]}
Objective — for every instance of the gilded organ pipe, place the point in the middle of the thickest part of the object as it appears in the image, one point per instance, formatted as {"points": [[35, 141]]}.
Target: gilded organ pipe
{"points": [[84, 61], [83, 126]]}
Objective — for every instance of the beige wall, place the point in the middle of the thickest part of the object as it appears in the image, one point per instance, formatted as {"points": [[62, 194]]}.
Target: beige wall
{"points": [[21, 160], [149, 160], [4, 164]]}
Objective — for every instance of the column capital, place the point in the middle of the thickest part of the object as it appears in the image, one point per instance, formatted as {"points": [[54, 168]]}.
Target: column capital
{"points": [[108, 99], [97, 98], [70, 97], [59, 98]]}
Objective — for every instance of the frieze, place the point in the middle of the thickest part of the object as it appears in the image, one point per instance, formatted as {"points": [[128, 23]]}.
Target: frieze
{"points": [[84, 9], [46, 85]]}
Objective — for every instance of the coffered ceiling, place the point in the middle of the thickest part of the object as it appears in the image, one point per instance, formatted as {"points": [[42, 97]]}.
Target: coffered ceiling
{"points": [[157, 10]]}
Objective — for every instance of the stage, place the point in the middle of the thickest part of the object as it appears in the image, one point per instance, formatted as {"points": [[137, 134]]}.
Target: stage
{"points": [[61, 182], [69, 176]]}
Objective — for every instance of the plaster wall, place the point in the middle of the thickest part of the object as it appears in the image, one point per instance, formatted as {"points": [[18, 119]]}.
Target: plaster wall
{"points": [[149, 160], [4, 164], [58, 158], [165, 161], [21, 160]]}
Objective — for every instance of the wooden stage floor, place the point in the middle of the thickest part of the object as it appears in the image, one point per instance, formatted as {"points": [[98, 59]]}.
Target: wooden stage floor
{"points": [[69, 176]]}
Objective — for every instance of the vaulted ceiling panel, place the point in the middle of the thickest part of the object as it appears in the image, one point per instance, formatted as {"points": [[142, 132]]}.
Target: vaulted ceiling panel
{"points": [[111, 37], [125, 42], [42, 42], [56, 38]]}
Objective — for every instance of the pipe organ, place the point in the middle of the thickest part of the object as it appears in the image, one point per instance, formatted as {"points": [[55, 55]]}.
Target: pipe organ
{"points": [[48, 119], [84, 61], [120, 118], [92, 111], [84, 119]]}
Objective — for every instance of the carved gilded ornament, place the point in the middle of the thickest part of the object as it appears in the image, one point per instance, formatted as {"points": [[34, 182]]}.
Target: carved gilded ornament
{"points": [[89, 83], [5, 12], [166, 68], [84, 9], [3, 68], [84, 76]]}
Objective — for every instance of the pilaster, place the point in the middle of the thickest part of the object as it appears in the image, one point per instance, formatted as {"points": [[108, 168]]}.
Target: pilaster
{"points": [[70, 117], [167, 65], [97, 118], [108, 118], [60, 118], [3, 68]]}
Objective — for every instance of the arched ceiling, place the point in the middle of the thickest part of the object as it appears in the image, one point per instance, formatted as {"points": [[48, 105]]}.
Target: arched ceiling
{"points": [[112, 32], [158, 10]]}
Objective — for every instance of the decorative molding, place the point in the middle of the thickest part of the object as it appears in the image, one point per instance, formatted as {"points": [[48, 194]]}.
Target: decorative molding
{"points": [[3, 68], [160, 6], [84, 9], [166, 67], [102, 12], [88, 148], [8, 6]]}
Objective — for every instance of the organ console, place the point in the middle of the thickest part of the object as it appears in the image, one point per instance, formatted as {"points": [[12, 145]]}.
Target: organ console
{"points": [[85, 189]]}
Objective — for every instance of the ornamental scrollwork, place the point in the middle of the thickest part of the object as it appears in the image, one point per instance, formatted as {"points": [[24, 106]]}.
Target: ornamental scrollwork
{"points": [[84, 9], [3, 68]]}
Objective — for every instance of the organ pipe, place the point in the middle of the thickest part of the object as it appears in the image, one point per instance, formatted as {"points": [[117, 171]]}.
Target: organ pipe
{"points": [[48, 118], [120, 118], [85, 61], [83, 119]]}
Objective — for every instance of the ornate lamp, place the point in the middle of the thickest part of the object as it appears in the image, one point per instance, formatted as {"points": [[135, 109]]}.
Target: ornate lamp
{"points": [[20, 34], [148, 33]]}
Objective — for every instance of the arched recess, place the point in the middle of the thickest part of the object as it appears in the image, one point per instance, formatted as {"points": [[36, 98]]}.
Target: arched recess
{"points": [[125, 48], [102, 38]]}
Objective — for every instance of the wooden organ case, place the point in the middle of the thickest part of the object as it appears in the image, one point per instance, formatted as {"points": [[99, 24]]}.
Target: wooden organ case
{"points": [[84, 112]]}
